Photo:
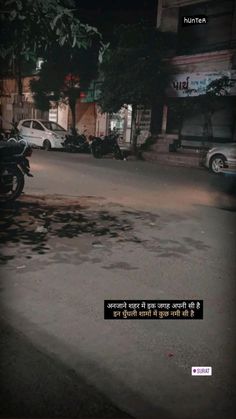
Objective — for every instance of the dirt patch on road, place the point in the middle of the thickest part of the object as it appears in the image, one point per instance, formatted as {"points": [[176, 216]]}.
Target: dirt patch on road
{"points": [[61, 201], [78, 229], [29, 225]]}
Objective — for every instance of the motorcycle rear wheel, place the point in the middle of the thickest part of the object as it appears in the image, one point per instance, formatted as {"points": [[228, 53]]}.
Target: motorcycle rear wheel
{"points": [[7, 177], [97, 153], [117, 153]]}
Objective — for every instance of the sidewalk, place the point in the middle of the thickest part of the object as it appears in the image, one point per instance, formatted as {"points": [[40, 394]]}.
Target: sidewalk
{"points": [[180, 158], [183, 158]]}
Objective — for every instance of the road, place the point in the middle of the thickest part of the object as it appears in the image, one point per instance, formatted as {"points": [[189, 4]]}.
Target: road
{"points": [[87, 230]]}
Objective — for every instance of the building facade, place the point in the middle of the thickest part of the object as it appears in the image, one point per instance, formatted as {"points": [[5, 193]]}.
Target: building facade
{"points": [[13, 107], [204, 52]]}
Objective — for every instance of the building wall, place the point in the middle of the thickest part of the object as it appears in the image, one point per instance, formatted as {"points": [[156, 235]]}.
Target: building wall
{"points": [[62, 115], [11, 107], [86, 117], [179, 3], [201, 59], [167, 13], [208, 61], [102, 123]]}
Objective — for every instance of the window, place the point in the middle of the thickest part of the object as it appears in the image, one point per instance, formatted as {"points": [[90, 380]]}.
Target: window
{"points": [[216, 34], [26, 124], [38, 126], [53, 126]]}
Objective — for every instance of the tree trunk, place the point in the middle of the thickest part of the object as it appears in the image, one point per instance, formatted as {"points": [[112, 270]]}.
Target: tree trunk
{"points": [[19, 79], [134, 136], [19, 69], [208, 125], [72, 105], [180, 124], [156, 117]]}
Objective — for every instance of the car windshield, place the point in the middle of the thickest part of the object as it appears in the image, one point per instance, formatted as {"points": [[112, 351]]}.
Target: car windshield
{"points": [[52, 126]]}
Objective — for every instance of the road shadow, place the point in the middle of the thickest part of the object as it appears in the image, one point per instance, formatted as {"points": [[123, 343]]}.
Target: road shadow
{"points": [[35, 385], [28, 226], [224, 186], [31, 225]]}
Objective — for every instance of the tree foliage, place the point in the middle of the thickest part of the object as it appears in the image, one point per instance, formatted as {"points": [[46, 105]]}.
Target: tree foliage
{"points": [[32, 28], [64, 74], [133, 69]]}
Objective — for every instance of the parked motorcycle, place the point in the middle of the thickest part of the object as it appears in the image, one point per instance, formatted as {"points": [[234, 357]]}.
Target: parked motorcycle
{"points": [[13, 166], [107, 145], [3, 136], [76, 142], [14, 135]]}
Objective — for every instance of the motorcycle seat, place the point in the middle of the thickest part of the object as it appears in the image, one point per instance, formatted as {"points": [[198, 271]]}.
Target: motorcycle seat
{"points": [[10, 149]]}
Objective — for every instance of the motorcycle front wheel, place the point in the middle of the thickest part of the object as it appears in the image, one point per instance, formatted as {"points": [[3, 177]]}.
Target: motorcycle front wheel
{"points": [[11, 183]]}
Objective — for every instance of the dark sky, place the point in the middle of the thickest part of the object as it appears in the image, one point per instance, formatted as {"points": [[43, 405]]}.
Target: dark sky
{"points": [[105, 14], [117, 4]]}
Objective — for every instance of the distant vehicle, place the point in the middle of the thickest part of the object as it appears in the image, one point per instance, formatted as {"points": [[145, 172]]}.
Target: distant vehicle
{"points": [[77, 142], [42, 133], [221, 157], [108, 145]]}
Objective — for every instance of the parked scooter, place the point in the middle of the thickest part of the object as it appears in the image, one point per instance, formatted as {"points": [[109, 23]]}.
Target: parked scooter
{"points": [[107, 145], [76, 142], [13, 166]]}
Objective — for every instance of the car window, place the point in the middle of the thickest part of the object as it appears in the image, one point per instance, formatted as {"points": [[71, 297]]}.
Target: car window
{"points": [[26, 124], [53, 126], [37, 125], [57, 127]]}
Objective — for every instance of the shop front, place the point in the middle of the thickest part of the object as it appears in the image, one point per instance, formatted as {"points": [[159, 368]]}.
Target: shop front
{"points": [[189, 114]]}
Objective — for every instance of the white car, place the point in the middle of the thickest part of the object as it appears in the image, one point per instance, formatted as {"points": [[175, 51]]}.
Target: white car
{"points": [[220, 157], [42, 133]]}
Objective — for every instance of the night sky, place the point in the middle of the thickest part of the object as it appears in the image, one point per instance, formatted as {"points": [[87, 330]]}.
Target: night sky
{"points": [[117, 4], [105, 14]]}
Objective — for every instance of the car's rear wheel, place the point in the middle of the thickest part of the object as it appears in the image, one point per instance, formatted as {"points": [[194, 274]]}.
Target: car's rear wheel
{"points": [[217, 163], [47, 145]]}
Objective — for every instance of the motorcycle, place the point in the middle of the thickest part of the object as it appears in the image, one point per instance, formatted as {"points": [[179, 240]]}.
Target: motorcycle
{"points": [[14, 135], [14, 164], [107, 145], [2, 136], [75, 142]]}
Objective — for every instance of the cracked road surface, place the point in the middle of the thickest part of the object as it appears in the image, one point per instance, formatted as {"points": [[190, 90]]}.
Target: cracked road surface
{"points": [[89, 230]]}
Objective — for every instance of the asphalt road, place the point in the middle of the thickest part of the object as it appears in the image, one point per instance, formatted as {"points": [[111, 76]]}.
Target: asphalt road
{"points": [[88, 230]]}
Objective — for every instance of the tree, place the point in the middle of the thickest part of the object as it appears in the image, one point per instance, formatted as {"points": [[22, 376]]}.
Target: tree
{"points": [[65, 73], [134, 70], [29, 28]]}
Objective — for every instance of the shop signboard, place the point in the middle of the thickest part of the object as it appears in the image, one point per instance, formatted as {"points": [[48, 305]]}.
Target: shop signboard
{"points": [[195, 84]]}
